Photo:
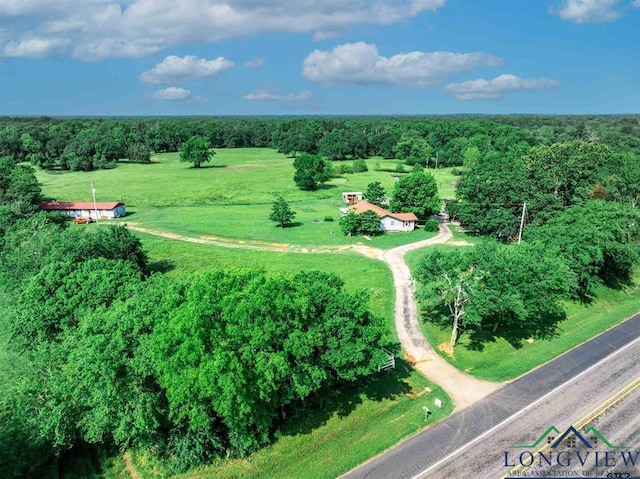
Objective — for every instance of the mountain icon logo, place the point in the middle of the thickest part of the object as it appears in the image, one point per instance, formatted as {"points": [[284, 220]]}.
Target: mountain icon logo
{"points": [[590, 438]]}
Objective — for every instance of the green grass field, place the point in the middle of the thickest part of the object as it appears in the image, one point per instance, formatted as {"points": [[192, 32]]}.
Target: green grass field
{"points": [[231, 197]]}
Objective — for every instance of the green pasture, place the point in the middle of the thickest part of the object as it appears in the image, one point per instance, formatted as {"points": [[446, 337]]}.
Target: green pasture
{"points": [[232, 196]]}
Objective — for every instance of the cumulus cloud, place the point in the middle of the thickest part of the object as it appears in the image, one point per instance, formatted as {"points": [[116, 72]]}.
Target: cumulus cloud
{"points": [[492, 89], [360, 63], [174, 94], [34, 47], [174, 69], [257, 62], [266, 94], [132, 28], [590, 11]]}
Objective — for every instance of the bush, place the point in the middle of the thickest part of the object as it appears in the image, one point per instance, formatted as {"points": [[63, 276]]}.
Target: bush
{"points": [[432, 225], [328, 218], [376, 166], [417, 168], [456, 172], [360, 166], [399, 168], [344, 169]]}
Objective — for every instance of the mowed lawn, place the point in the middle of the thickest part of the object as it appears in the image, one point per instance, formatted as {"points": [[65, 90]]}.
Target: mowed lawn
{"points": [[232, 196]]}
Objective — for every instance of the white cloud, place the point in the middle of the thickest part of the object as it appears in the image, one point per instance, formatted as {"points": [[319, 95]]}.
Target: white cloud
{"points": [[132, 28], [266, 94], [174, 94], [34, 47], [360, 63], [492, 89], [257, 62], [589, 11], [635, 4], [175, 69]]}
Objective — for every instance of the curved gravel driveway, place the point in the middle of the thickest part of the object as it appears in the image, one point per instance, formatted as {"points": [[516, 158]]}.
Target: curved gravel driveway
{"points": [[464, 389]]}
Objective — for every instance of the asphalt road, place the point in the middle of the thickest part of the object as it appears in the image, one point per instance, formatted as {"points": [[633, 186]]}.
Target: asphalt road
{"points": [[471, 443]]}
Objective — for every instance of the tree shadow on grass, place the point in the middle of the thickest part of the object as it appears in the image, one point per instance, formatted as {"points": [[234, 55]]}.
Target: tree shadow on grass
{"points": [[293, 224], [342, 399], [206, 167], [162, 266], [326, 187], [540, 328]]}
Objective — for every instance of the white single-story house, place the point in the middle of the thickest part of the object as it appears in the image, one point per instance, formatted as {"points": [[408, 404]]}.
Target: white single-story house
{"points": [[86, 209], [388, 221], [351, 197]]}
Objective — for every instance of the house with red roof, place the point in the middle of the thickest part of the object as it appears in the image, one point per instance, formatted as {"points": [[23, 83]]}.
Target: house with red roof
{"points": [[86, 209], [388, 221]]}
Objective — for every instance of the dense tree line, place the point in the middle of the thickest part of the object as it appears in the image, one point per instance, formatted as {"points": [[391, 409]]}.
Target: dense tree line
{"points": [[578, 202], [86, 144], [96, 351]]}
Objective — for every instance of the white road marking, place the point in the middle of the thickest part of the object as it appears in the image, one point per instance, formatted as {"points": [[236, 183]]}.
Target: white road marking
{"points": [[515, 415]]}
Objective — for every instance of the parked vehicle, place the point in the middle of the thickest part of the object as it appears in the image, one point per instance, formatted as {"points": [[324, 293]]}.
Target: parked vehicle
{"points": [[82, 221]]}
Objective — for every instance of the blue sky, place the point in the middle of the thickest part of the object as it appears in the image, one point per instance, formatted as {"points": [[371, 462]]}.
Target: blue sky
{"points": [[254, 57]]}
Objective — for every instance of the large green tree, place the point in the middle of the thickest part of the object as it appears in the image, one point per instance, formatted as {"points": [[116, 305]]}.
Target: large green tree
{"points": [[599, 240], [495, 290], [376, 194], [416, 193], [311, 171], [196, 150], [244, 346]]}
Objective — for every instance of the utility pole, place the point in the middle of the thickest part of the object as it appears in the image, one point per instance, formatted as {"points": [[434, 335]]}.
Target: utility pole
{"points": [[524, 207], [95, 205], [437, 160]]}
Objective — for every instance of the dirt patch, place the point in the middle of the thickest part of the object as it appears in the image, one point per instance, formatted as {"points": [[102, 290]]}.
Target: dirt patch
{"points": [[459, 243], [128, 465], [446, 348]]}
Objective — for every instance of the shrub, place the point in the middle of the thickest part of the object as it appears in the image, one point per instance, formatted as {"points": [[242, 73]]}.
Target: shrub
{"points": [[360, 166], [399, 168], [328, 218], [456, 172], [376, 166], [432, 225], [417, 168], [344, 169]]}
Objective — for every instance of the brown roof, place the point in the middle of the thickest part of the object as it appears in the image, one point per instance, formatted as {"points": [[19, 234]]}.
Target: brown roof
{"points": [[363, 206], [79, 205]]}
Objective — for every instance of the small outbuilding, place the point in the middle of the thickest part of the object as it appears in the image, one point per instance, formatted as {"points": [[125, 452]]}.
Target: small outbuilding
{"points": [[352, 197], [388, 221], [86, 209]]}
